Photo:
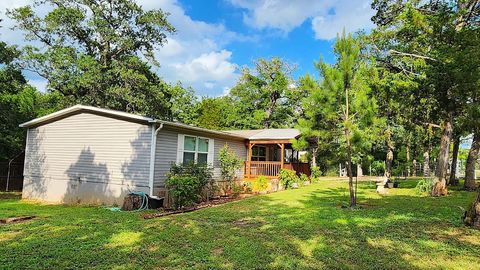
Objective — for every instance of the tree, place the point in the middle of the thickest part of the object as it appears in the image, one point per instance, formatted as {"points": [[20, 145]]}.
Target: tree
{"points": [[260, 95], [429, 37], [343, 101], [19, 102], [93, 52]]}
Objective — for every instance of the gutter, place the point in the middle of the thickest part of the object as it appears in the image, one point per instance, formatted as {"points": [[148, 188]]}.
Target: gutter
{"points": [[153, 146]]}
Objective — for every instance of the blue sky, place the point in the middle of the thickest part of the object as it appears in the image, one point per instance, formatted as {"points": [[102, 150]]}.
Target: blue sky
{"points": [[216, 38]]}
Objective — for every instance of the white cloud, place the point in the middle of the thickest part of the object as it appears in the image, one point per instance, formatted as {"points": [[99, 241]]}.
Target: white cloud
{"points": [[350, 18], [212, 67], [328, 17], [196, 55]]}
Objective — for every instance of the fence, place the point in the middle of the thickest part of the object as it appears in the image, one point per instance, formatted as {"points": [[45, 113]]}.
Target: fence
{"points": [[15, 181]]}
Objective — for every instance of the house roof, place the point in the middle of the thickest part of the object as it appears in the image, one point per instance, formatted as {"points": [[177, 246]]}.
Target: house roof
{"points": [[118, 114], [82, 108], [268, 134], [259, 134]]}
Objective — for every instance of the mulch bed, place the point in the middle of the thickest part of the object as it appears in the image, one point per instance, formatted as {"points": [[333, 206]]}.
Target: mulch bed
{"points": [[202, 205], [15, 219]]}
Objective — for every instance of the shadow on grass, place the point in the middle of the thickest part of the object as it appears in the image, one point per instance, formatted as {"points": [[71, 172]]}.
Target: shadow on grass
{"points": [[294, 229]]}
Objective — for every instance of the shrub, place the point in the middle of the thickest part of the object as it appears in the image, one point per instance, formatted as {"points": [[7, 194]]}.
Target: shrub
{"points": [[378, 167], [424, 186], [303, 178], [229, 164], [316, 173], [260, 184], [247, 186], [183, 189], [236, 190], [187, 182], [287, 178]]}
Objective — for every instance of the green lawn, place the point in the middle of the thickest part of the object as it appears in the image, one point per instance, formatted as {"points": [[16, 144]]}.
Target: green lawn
{"points": [[294, 229]]}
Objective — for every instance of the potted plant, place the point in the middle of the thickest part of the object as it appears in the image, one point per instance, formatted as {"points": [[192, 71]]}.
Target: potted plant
{"points": [[390, 184]]}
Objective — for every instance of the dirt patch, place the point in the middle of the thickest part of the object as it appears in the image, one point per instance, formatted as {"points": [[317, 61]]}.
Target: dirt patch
{"points": [[247, 222], [217, 251]]}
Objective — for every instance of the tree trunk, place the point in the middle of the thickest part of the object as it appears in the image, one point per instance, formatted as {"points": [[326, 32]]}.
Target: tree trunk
{"points": [[470, 183], [426, 163], [414, 164], [472, 215], [388, 162], [453, 169], [408, 159], [353, 200], [440, 186], [314, 157]]}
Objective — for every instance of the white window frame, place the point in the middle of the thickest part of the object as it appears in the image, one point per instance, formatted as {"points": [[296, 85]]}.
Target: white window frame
{"points": [[181, 150]]}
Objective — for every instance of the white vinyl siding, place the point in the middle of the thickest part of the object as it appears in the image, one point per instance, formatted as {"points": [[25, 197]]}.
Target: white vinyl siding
{"points": [[99, 154]]}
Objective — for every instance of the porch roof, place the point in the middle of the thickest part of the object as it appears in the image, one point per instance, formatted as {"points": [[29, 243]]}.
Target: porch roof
{"points": [[268, 134]]}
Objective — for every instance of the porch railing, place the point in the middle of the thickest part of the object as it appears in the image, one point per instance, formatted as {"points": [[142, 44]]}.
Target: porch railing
{"points": [[266, 168], [272, 168]]}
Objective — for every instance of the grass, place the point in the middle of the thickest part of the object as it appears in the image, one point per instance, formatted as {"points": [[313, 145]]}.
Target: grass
{"points": [[293, 229]]}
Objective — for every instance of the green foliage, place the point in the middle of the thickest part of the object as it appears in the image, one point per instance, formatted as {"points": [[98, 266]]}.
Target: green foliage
{"points": [[288, 178], [236, 190], [92, 52], [229, 164], [424, 186], [316, 173], [19, 102], [262, 97], [303, 178], [187, 182], [183, 189], [378, 167], [260, 184]]}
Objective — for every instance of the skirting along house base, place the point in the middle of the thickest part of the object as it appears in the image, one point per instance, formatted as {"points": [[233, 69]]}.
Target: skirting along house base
{"points": [[85, 154]]}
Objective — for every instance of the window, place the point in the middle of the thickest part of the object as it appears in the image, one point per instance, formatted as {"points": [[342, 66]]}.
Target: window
{"points": [[195, 149], [259, 153]]}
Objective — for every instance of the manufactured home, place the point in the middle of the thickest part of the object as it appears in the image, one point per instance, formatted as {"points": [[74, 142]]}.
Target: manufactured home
{"points": [[85, 154]]}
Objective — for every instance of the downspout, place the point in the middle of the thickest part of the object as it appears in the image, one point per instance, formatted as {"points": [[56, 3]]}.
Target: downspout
{"points": [[153, 146]]}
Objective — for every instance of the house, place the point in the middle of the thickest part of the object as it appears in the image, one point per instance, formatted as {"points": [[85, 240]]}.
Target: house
{"points": [[85, 154]]}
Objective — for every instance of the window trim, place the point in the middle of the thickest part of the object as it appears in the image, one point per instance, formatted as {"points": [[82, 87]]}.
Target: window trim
{"points": [[197, 150]]}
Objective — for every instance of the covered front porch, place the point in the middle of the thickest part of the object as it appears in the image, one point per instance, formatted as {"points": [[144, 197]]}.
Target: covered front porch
{"points": [[268, 157]]}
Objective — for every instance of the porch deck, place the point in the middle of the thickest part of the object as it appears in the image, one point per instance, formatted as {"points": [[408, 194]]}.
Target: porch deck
{"points": [[271, 169]]}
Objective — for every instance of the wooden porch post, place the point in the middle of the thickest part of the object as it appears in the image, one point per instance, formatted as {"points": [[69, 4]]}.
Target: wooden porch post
{"points": [[250, 145], [282, 155]]}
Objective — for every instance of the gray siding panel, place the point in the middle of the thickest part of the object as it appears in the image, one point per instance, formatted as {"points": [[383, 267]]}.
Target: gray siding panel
{"points": [[166, 152], [103, 155]]}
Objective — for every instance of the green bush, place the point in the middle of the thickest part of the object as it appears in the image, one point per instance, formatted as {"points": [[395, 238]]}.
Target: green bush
{"points": [[304, 178], [316, 173], [378, 167], [183, 189], [287, 178], [236, 190], [260, 184], [229, 165], [424, 186], [186, 183]]}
